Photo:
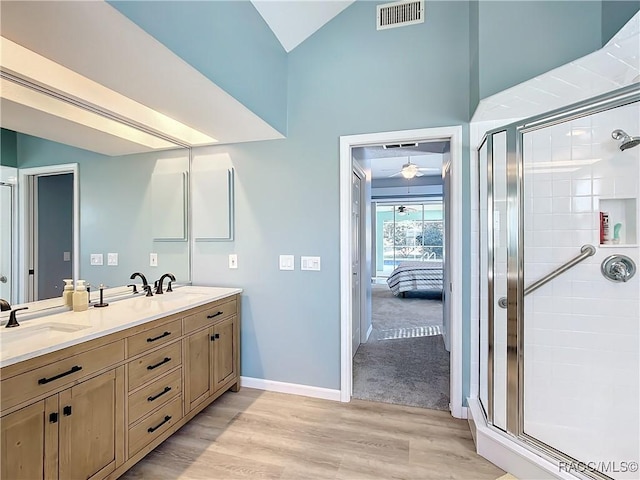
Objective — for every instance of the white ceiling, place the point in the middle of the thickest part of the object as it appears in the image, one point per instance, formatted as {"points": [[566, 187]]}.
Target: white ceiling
{"points": [[293, 22], [103, 50], [388, 162]]}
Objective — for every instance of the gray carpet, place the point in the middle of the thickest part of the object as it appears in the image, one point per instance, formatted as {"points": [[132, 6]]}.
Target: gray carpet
{"points": [[404, 362]]}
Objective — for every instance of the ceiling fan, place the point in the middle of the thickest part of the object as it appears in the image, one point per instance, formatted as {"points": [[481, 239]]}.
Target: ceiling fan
{"points": [[402, 210], [410, 170]]}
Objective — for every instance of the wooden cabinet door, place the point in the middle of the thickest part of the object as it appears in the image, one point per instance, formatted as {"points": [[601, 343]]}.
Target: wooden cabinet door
{"points": [[91, 426], [29, 441], [197, 370], [224, 352]]}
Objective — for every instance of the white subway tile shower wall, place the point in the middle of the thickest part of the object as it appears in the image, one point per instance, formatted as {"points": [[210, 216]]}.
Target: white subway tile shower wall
{"points": [[582, 331]]}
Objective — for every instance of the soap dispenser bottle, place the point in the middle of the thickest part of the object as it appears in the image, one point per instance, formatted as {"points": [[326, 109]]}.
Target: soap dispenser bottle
{"points": [[80, 297], [67, 293]]}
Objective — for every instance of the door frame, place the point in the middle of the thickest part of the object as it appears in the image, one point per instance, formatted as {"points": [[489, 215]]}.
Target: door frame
{"points": [[454, 135], [9, 177], [364, 334], [25, 209]]}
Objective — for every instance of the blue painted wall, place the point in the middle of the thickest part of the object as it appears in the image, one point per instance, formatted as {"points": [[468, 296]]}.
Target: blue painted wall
{"points": [[346, 79], [615, 14], [228, 42], [521, 39], [8, 148]]}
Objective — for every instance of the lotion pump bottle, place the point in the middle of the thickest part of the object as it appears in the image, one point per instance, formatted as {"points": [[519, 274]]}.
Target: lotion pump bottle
{"points": [[80, 297], [67, 293]]}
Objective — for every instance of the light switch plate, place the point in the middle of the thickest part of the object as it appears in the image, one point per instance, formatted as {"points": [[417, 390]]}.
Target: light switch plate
{"points": [[233, 260], [287, 262], [96, 259], [112, 259], [153, 259], [310, 263]]}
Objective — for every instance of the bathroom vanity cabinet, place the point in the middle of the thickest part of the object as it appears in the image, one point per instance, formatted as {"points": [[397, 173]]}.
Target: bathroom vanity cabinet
{"points": [[94, 409]]}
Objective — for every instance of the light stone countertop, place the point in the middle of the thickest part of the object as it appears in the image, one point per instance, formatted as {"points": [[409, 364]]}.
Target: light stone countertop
{"points": [[49, 333]]}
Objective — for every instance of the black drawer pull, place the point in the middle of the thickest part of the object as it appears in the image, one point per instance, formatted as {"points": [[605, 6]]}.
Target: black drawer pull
{"points": [[53, 417], [74, 369], [165, 334], [153, 429], [215, 336], [213, 315], [153, 397], [166, 359], [66, 411]]}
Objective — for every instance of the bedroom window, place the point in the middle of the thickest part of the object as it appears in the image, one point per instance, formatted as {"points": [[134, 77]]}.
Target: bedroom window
{"points": [[407, 233]]}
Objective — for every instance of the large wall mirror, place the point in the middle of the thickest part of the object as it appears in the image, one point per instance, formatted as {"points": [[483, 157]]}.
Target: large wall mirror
{"points": [[95, 212], [127, 207]]}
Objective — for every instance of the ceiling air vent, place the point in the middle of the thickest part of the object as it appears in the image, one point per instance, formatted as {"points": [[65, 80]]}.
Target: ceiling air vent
{"points": [[400, 14]]}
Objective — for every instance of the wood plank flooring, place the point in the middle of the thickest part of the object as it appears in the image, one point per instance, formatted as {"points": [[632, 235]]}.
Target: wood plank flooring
{"points": [[265, 435]]}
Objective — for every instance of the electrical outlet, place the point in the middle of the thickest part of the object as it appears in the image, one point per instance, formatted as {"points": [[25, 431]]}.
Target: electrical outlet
{"points": [[66, 256], [233, 260], [112, 259], [153, 259], [96, 259]]}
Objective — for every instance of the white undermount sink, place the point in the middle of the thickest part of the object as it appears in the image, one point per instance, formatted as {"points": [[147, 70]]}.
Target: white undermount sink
{"points": [[26, 332]]}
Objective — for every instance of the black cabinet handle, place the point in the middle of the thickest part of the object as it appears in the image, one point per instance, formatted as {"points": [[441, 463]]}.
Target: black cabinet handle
{"points": [[153, 429], [66, 411], [153, 397], [215, 336], [75, 369], [213, 315], [165, 334], [53, 417], [166, 359]]}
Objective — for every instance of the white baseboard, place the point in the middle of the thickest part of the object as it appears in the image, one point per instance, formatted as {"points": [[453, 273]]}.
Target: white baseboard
{"points": [[507, 453], [291, 388]]}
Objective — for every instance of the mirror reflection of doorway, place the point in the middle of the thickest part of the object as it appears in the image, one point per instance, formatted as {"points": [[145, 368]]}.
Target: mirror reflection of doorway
{"points": [[47, 228], [52, 233], [6, 240]]}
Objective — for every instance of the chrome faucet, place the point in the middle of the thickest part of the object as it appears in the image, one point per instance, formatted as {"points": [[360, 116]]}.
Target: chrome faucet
{"points": [[145, 284], [159, 286], [13, 322]]}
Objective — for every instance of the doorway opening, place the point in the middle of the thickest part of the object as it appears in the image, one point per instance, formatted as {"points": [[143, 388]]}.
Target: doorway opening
{"points": [[371, 267], [49, 227]]}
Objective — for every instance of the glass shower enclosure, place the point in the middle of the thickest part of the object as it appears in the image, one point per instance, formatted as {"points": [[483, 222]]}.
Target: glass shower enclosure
{"points": [[559, 297]]}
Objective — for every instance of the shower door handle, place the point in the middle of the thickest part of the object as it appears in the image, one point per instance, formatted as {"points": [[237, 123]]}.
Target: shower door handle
{"points": [[3, 279]]}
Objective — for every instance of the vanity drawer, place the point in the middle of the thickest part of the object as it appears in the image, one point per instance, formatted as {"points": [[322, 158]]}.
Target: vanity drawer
{"points": [[153, 337], [154, 395], [154, 425], [50, 377], [213, 314], [154, 364]]}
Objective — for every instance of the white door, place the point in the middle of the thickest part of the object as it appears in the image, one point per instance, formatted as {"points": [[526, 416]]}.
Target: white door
{"points": [[356, 186], [6, 219], [446, 269]]}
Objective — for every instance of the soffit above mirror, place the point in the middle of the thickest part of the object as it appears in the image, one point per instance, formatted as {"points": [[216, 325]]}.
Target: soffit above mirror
{"points": [[89, 54]]}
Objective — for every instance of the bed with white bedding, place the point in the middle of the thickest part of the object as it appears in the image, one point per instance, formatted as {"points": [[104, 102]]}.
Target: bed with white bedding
{"points": [[414, 276]]}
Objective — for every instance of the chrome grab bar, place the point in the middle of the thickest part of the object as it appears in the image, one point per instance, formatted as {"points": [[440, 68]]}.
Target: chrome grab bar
{"points": [[586, 251]]}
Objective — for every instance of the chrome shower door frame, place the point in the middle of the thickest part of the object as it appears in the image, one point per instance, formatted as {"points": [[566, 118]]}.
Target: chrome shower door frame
{"points": [[515, 261]]}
